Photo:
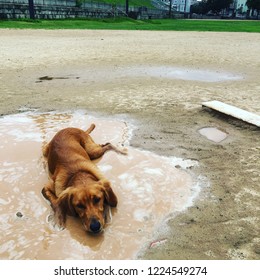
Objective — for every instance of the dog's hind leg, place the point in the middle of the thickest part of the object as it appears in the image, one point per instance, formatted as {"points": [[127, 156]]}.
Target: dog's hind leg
{"points": [[109, 146], [95, 150]]}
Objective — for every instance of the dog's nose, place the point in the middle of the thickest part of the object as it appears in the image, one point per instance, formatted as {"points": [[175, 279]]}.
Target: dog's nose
{"points": [[95, 226]]}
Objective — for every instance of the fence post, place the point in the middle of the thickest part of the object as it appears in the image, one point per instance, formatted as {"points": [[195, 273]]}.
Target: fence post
{"points": [[126, 7], [170, 9], [31, 9]]}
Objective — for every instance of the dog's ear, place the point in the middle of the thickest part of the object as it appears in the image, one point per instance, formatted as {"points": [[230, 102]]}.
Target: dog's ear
{"points": [[110, 197], [64, 206]]}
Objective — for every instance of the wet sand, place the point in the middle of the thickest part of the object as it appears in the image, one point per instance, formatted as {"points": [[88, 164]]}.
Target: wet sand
{"points": [[148, 78]]}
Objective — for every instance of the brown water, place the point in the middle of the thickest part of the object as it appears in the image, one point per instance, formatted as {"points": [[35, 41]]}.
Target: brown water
{"points": [[213, 134], [161, 72], [181, 73], [148, 188]]}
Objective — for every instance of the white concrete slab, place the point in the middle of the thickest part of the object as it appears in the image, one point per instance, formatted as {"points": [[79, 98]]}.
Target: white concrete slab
{"points": [[233, 111]]}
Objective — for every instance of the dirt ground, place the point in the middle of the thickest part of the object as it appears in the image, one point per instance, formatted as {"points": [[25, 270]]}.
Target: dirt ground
{"points": [[115, 73]]}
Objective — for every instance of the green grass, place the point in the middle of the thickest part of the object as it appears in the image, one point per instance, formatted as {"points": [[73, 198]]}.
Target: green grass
{"points": [[130, 24]]}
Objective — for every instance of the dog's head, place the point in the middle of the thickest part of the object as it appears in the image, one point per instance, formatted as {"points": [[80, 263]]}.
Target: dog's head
{"points": [[87, 202]]}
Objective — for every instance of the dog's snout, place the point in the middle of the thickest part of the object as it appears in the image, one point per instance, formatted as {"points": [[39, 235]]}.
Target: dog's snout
{"points": [[95, 226]]}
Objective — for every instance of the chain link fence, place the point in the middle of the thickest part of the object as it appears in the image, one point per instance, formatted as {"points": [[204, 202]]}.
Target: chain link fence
{"points": [[57, 9]]}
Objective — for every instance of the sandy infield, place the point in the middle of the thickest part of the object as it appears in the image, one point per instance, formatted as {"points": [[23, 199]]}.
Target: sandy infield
{"points": [[115, 73]]}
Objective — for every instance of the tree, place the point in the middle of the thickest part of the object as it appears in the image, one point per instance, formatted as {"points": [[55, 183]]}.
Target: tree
{"points": [[200, 8], [218, 5], [215, 6], [254, 5]]}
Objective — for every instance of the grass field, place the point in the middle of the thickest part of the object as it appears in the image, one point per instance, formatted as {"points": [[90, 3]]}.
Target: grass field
{"points": [[130, 24]]}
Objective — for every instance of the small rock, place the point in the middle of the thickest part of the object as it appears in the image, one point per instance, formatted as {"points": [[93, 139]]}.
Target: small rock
{"points": [[19, 215]]}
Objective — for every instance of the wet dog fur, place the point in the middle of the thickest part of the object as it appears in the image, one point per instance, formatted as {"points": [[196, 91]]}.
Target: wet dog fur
{"points": [[76, 187]]}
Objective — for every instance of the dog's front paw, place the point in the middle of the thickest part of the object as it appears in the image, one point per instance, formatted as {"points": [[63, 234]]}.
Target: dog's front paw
{"points": [[53, 224], [124, 151], [44, 194]]}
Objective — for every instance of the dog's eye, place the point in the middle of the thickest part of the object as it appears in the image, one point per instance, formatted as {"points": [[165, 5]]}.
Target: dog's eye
{"points": [[81, 206], [96, 200]]}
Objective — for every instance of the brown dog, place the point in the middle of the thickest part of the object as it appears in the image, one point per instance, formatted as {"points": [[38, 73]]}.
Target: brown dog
{"points": [[76, 186]]}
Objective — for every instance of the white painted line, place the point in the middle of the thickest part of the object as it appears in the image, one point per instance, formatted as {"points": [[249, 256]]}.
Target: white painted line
{"points": [[233, 111]]}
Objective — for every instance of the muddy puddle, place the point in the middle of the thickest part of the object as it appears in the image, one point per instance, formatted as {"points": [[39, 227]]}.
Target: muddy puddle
{"points": [[188, 74], [148, 188], [161, 72]]}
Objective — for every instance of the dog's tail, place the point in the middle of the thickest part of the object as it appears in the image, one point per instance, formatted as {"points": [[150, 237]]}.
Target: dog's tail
{"points": [[45, 150], [91, 128]]}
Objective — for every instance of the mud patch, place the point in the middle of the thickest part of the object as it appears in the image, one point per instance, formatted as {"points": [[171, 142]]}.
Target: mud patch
{"points": [[148, 187], [50, 78]]}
